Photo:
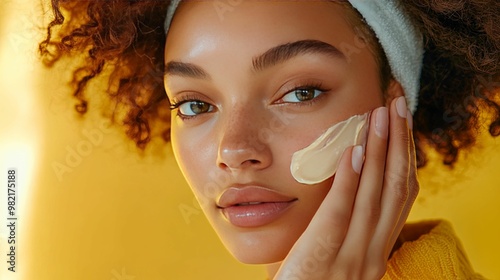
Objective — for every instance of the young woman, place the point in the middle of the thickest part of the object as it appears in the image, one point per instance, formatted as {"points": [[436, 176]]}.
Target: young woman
{"points": [[250, 83]]}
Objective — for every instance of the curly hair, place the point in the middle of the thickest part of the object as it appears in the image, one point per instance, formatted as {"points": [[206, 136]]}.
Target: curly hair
{"points": [[460, 78], [128, 37]]}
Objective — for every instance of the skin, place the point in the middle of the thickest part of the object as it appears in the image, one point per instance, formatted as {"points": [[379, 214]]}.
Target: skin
{"points": [[358, 216]]}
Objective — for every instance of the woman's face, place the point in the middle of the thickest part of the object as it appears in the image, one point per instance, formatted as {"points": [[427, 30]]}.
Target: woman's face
{"points": [[253, 83]]}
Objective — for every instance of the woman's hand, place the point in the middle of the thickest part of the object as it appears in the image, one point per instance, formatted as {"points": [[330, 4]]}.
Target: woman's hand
{"points": [[354, 230]]}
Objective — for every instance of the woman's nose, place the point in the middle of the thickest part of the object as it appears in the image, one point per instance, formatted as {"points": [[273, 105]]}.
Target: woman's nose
{"points": [[243, 143]]}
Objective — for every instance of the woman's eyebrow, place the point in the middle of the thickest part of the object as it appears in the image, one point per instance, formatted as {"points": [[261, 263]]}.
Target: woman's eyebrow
{"points": [[282, 53], [273, 56], [185, 69]]}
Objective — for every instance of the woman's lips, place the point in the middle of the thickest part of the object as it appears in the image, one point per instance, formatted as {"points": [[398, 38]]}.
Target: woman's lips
{"points": [[253, 206]]}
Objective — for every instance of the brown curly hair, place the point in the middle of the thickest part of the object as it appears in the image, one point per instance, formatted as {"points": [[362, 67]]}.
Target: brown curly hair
{"points": [[460, 78]]}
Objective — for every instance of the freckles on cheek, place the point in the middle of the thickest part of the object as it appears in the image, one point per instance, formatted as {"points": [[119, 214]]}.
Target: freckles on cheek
{"points": [[290, 142], [304, 136]]}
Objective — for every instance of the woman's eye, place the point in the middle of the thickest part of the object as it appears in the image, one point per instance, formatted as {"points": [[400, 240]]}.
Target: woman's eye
{"points": [[194, 107], [301, 95]]}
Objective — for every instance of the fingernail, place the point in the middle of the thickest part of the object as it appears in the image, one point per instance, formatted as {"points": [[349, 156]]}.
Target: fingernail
{"points": [[409, 119], [382, 122], [401, 107], [357, 159]]}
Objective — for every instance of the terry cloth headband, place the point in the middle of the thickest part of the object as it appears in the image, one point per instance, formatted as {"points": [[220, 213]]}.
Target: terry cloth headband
{"points": [[401, 41]]}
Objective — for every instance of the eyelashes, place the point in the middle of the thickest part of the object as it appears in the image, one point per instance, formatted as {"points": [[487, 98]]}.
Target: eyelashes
{"points": [[305, 94], [190, 106]]}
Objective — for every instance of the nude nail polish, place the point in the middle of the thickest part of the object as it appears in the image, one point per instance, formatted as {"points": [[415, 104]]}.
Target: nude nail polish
{"points": [[382, 122], [401, 107], [357, 158]]}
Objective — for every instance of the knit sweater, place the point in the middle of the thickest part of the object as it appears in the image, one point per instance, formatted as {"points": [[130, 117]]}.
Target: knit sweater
{"points": [[429, 250]]}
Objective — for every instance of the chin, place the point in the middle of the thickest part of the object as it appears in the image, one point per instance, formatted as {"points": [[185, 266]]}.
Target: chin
{"points": [[263, 245], [266, 244], [251, 251]]}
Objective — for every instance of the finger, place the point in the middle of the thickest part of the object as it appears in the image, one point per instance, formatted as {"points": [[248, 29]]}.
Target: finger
{"points": [[366, 211], [412, 195], [334, 214], [395, 188], [321, 241]]}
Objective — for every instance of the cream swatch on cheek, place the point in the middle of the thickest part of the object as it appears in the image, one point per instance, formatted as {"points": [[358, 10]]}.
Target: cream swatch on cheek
{"points": [[320, 160]]}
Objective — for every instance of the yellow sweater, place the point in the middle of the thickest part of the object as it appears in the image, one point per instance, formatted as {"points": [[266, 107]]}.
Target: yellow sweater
{"points": [[429, 250]]}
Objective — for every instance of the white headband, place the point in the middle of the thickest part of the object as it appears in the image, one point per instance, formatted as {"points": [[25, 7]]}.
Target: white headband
{"points": [[401, 41]]}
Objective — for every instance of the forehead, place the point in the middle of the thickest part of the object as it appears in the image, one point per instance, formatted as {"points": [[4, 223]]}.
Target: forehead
{"points": [[252, 27]]}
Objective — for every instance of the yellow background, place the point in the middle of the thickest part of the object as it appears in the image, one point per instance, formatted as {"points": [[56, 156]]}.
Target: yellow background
{"points": [[114, 215]]}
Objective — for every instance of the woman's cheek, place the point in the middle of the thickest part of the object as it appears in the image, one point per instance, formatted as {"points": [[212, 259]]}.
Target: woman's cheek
{"points": [[191, 153]]}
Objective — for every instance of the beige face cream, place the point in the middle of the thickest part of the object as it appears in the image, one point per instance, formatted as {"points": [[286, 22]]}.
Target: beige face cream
{"points": [[319, 161]]}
